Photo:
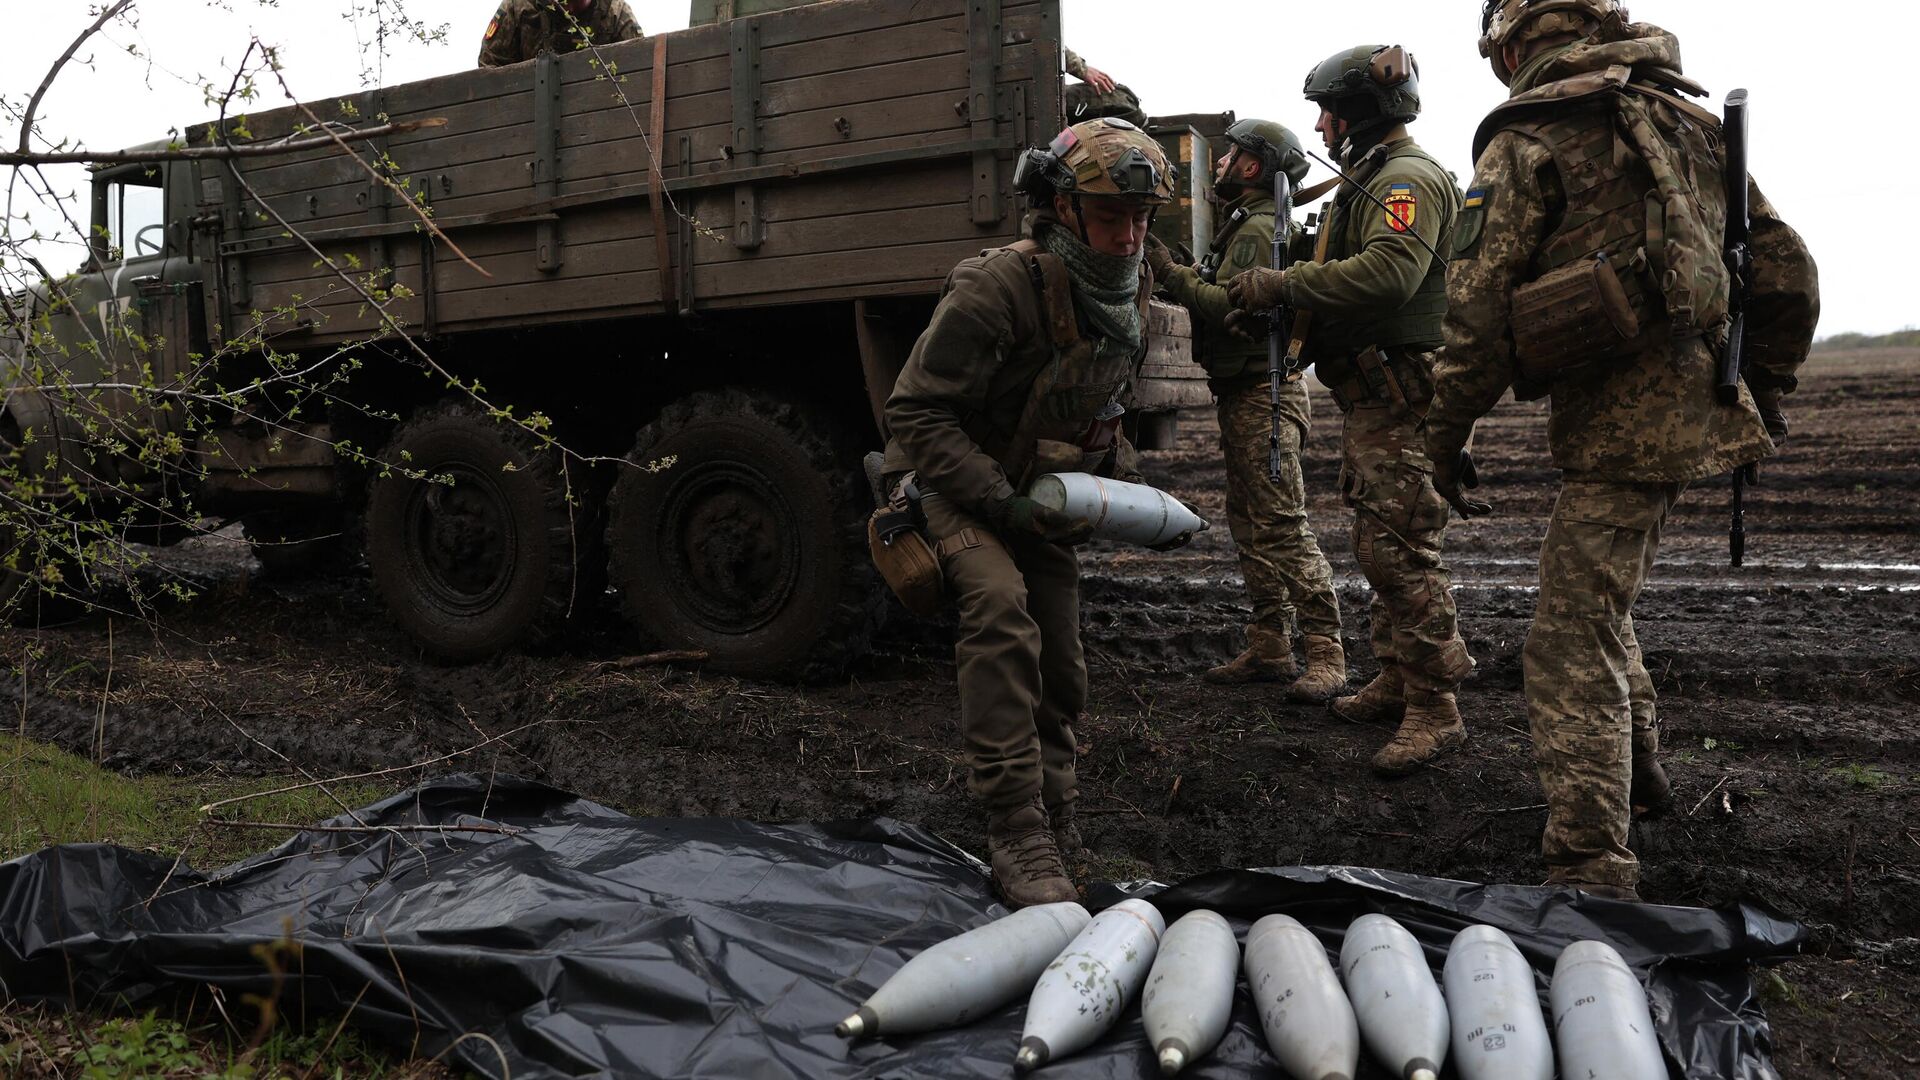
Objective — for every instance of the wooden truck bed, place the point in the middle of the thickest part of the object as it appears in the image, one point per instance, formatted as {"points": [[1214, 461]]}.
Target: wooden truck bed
{"points": [[857, 148]]}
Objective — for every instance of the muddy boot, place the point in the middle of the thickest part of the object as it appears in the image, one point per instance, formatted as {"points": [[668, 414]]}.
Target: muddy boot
{"points": [[1382, 701], [1269, 658], [1026, 859], [1066, 829], [1326, 673], [1432, 727]]}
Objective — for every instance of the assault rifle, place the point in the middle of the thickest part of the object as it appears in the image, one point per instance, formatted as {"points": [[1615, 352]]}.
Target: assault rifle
{"points": [[1280, 364], [1739, 256]]}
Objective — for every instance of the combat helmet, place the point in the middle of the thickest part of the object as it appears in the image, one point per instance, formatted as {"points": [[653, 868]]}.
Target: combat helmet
{"points": [[1105, 157], [1502, 20], [1277, 148], [1371, 87]]}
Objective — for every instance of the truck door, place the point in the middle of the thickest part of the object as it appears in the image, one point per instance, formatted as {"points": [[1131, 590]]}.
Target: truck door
{"points": [[124, 326]]}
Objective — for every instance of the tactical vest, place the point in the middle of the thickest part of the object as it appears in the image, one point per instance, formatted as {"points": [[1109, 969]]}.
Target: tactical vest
{"points": [[1414, 325], [1070, 392], [1643, 187], [1227, 355]]}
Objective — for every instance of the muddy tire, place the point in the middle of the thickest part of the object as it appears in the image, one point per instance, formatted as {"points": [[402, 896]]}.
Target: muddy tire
{"points": [[737, 526], [504, 556]]}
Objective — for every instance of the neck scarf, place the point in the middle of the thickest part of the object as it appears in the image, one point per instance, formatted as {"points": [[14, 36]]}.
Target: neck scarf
{"points": [[1105, 287]]}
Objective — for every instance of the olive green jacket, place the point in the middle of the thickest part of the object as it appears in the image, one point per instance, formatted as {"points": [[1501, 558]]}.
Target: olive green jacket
{"points": [[1649, 419], [966, 384], [1225, 356], [1380, 285]]}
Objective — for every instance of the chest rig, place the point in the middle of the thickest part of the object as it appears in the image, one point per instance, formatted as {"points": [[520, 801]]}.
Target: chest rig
{"points": [[1071, 418]]}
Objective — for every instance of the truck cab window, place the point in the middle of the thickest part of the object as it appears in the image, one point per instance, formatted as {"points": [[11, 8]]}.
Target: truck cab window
{"points": [[135, 217]]}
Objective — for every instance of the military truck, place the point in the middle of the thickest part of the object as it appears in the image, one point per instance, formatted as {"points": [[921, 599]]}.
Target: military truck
{"points": [[667, 288]]}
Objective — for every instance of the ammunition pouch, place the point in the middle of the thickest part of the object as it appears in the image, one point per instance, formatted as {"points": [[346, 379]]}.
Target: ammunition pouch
{"points": [[1574, 316], [897, 540], [1399, 380]]}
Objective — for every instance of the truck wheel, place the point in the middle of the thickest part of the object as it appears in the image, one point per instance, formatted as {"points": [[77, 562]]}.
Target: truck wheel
{"points": [[737, 526], [482, 546]]}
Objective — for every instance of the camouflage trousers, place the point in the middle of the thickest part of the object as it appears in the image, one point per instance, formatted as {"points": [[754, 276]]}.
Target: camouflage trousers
{"points": [[1289, 580], [1022, 671], [1398, 524], [1083, 102], [1590, 700]]}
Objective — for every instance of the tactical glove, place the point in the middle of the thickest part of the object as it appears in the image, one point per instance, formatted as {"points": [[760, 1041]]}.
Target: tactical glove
{"points": [[1160, 258], [1258, 289], [1019, 514], [1450, 474], [1249, 325]]}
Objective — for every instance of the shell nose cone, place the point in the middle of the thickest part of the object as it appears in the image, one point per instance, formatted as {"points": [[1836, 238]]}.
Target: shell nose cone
{"points": [[1172, 1060], [1033, 1054]]}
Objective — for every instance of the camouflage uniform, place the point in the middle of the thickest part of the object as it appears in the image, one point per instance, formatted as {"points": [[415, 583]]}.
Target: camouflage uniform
{"points": [[522, 29], [1288, 577], [1380, 288], [1628, 434], [1085, 103]]}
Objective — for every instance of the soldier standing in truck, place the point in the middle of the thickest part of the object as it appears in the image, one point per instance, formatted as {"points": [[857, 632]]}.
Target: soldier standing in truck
{"points": [[1098, 94], [523, 29]]}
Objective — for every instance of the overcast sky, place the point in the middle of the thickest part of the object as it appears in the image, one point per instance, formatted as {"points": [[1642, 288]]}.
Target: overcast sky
{"points": [[1829, 83]]}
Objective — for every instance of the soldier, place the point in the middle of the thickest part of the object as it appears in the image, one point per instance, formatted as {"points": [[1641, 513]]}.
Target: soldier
{"points": [[1288, 578], [522, 29], [1376, 305], [1096, 95], [1595, 139], [1023, 370]]}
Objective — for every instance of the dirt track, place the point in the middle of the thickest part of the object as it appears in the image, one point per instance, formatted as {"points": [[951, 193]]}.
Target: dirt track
{"points": [[1787, 688]]}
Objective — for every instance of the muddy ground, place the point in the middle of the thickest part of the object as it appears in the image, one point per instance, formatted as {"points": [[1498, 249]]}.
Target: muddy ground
{"points": [[1788, 695]]}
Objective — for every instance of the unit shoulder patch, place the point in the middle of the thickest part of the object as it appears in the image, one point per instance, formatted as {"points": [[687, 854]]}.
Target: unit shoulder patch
{"points": [[1403, 207]]}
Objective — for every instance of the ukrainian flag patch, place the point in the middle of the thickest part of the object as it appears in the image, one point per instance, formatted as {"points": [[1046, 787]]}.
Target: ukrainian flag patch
{"points": [[1476, 199]]}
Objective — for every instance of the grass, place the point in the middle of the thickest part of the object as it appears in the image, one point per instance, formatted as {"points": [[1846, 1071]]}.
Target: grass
{"points": [[36, 1044], [49, 796], [1864, 777]]}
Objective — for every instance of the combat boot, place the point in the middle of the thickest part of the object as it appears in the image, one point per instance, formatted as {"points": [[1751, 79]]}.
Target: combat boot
{"points": [[1382, 701], [1066, 828], [1268, 658], [1326, 673], [1432, 727], [1026, 859]]}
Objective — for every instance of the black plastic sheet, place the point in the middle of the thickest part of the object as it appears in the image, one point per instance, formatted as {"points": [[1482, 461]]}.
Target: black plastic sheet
{"points": [[585, 943]]}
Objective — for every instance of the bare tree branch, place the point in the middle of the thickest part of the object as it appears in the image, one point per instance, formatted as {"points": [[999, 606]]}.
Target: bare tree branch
{"points": [[33, 103], [193, 153]]}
